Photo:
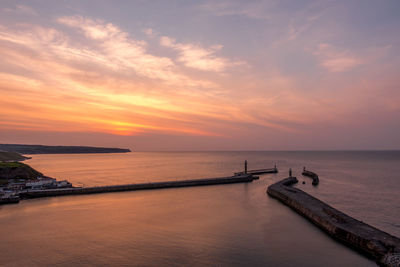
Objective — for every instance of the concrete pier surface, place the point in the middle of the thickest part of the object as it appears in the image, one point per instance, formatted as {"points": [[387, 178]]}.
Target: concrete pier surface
{"points": [[312, 175], [372, 242], [263, 171], [131, 187]]}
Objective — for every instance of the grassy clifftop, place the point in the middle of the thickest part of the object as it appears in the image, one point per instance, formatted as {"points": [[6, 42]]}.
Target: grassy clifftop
{"points": [[17, 170], [11, 156]]}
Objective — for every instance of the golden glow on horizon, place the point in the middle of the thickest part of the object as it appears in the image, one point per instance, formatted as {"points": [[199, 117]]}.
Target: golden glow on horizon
{"points": [[58, 94], [87, 75]]}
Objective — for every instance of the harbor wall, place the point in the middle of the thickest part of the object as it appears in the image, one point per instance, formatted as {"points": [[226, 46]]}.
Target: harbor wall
{"points": [[372, 242], [312, 175], [263, 171], [132, 187], [259, 171]]}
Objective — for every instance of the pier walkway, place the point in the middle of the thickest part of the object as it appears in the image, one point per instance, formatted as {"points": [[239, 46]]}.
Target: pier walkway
{"points": [[259, 171], [263, 171], [132, 187], [382, 247]]}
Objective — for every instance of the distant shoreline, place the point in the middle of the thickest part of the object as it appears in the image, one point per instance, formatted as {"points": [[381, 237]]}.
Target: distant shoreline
{"points": [[43, 149]]}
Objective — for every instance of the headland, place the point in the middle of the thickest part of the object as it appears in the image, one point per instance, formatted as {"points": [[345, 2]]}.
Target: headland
{"points": [[42, 149], [16, 176]]}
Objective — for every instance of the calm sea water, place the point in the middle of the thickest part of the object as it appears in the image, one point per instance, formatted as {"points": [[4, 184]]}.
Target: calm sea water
{"points": [[224, 225]]}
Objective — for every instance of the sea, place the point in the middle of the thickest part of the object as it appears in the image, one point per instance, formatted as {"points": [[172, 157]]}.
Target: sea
{"points": [[220, 225]]}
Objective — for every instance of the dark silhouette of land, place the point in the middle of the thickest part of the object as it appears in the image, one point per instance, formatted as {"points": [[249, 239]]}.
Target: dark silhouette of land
{"points": [[11, 156], [41, 149]]}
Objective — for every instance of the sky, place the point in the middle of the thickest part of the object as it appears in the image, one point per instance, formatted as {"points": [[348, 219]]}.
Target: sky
{"points": [[201, 75]]}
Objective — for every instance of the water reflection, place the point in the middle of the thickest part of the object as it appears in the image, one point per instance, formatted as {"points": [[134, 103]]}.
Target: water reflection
{"points": [[224, 225]]}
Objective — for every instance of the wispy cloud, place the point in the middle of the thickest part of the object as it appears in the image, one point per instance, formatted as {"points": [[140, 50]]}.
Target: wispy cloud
{"points": [[265, 69], [116, 49], [336, 60], [87, 77], [197, 57], [249, 9], [97, 78], [150, 32], [21, 9]]}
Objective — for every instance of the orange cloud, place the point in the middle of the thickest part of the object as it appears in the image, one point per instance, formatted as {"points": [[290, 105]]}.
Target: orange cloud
{"points": [[105, 81], [115, 48]]}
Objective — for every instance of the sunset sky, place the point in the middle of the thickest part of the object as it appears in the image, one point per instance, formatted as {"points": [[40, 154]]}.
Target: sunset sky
{"points": [[201, 75]]}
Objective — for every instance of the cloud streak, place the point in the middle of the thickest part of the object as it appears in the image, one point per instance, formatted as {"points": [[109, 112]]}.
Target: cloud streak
{"points": [[335, 60], [21, 10], [284, 71], [197, 57], [252, 9], [116, 49], [99, 79]]}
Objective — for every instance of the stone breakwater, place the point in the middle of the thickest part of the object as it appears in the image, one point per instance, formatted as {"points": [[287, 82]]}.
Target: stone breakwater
{"points": [[312, 175], [374, 243], [259, 171], [133, 187]]}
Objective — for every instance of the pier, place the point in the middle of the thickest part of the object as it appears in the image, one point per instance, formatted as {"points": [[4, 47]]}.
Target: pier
{"points": [[263, 171], [258, 171], [245, 178], [312, 175], [374, 243]]}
